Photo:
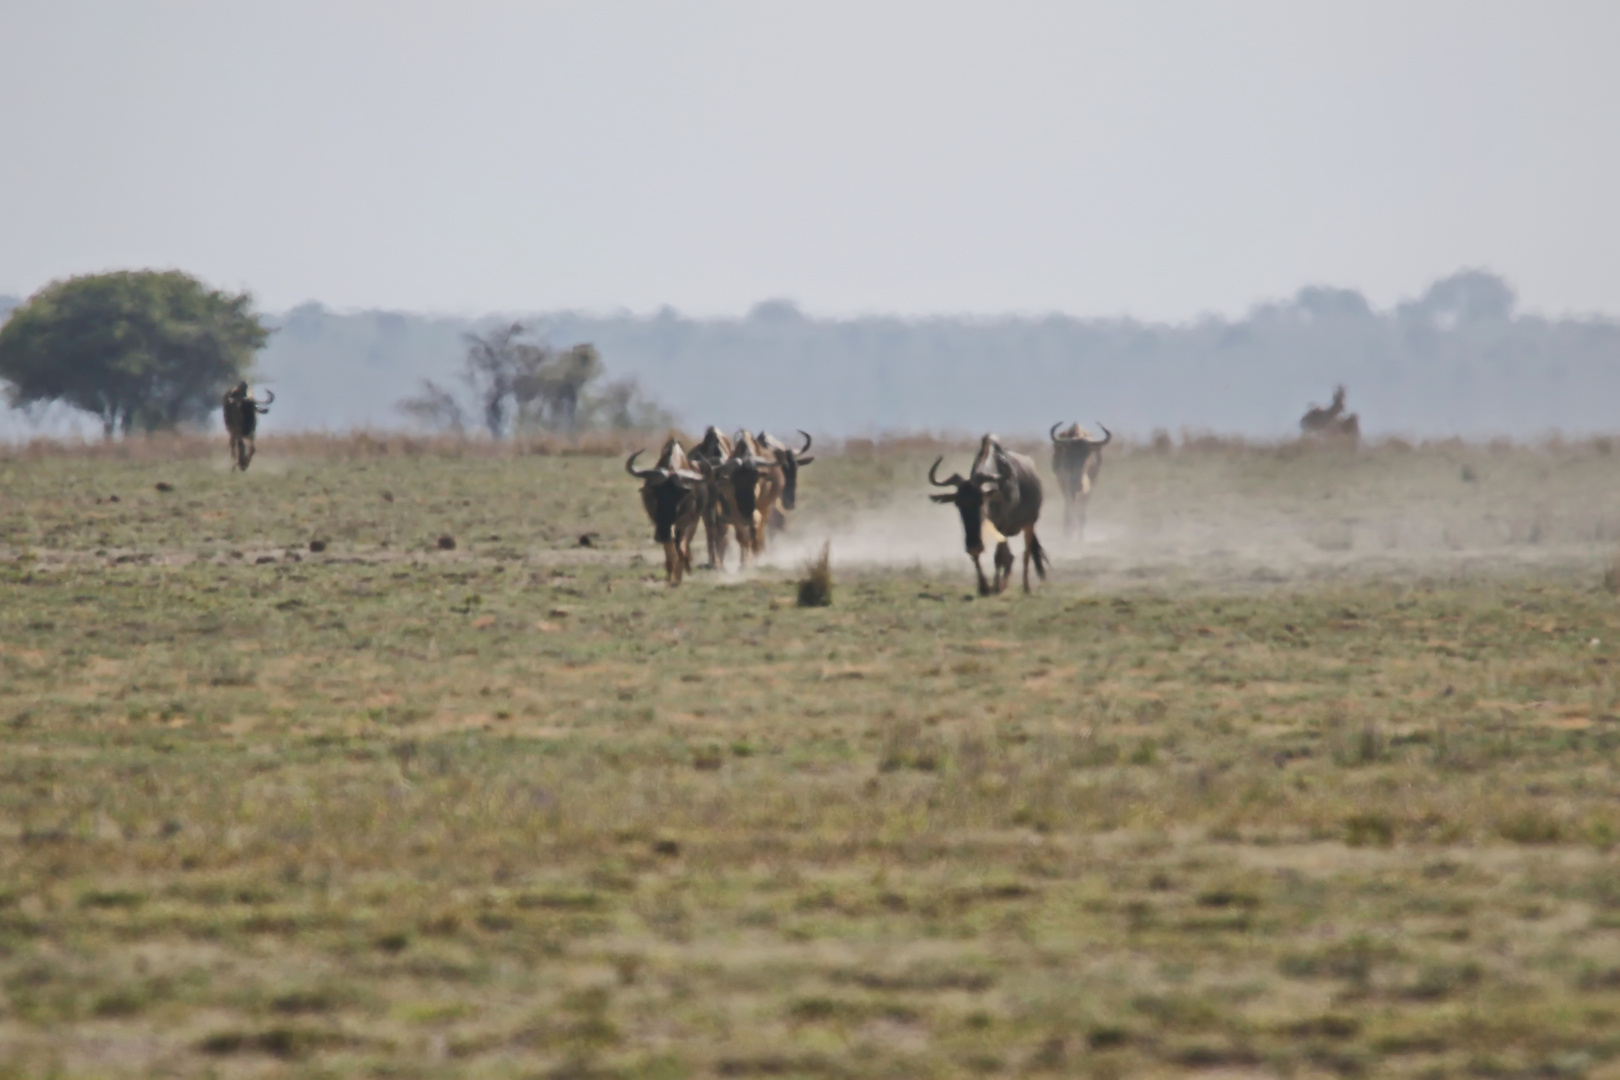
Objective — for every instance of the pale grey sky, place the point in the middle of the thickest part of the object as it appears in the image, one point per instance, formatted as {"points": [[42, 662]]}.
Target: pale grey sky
{"points": [[1157, 159]]}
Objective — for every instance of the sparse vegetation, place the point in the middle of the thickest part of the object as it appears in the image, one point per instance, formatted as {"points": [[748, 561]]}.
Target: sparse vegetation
{"points": [[516, 808], [815, 588]]}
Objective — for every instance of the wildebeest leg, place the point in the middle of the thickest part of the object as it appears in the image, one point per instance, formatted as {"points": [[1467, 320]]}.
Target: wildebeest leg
{"points": [[1033, 552], [984, 586], [778, 522], [251, 447], [672, 562], [1004, 565]]}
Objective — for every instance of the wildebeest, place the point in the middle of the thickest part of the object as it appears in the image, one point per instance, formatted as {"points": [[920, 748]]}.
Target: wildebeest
{"points": [[1320, 421], [738, 484], [672, 494], [242, 421], [1076, 459], [708, 455], [1331, 423], [1004, 488], [781, 484]]}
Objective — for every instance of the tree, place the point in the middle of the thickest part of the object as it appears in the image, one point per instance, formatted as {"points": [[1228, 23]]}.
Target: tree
{"points": [[524, 383], [136, 348]]}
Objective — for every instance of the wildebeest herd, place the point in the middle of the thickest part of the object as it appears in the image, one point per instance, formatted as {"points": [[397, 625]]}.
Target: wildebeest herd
{"points": [[741, 486]]}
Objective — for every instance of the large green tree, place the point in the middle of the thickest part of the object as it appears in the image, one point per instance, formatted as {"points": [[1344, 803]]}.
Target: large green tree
{"points": [[138, 348]]}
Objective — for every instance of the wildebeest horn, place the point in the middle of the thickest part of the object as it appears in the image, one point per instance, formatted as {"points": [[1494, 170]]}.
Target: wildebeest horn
{"points": [[1108, 436], [639, 474], [1054, 433], [805, 449], [269, 396], [956, 478]]}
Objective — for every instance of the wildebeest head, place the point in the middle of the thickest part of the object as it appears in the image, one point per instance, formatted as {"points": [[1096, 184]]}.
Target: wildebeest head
{"points": [[663, 489], [714, 448], [790, 460], [1072, 446], [969, 498], [741, 472]]}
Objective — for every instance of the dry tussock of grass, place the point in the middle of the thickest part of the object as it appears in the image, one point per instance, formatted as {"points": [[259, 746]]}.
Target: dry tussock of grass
{"points": [[815, 588]]}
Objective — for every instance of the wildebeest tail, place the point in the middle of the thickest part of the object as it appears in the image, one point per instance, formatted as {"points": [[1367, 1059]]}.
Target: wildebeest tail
{"points": [[1039, 554]]}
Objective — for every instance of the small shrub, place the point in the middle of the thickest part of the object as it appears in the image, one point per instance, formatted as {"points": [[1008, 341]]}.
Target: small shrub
{"points": [[815, 590], [1369, 830]]}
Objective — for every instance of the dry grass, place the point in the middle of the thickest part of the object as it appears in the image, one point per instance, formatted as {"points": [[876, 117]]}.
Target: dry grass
{"points": [[815, 588], [517, 809]]}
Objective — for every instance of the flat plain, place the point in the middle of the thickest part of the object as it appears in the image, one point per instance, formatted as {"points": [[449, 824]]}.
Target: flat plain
{"points": [[1302, 764]]}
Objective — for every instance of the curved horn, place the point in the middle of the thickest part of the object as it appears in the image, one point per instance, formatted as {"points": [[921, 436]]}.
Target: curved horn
{"points": [[269, 396], [956, 478], [805, 449], [639, 474], [1108, 436], [1053, 433]]}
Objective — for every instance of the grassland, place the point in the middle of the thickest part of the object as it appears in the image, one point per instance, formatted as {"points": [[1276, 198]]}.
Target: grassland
{"points": [[1304, 765]]}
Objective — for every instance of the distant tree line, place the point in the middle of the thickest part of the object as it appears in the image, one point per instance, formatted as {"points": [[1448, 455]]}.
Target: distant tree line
{"points": [[1459, 358]]}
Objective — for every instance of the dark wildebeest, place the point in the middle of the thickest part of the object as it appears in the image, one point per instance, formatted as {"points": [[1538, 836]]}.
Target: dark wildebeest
{"points": [[242, 422], [781, 484], [739, 480], [672, 494], [708, 456], [1320, 421], [1004, 488], [1076, 459]]}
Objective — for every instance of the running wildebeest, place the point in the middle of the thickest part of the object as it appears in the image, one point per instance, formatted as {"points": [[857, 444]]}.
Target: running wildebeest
{"points": [[1003, 488], [672, 494], [1320, 421], [1076, 459], [781, 484], [739, 480], [242, 422], [708, 456]]}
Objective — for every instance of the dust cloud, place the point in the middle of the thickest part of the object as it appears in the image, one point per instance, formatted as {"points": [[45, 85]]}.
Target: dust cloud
{"points": [[1271, 515]]}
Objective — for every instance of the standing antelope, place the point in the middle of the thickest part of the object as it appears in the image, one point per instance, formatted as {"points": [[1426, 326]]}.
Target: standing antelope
{"points": [[1004, 488], [1076, 459], [1320, 421]]}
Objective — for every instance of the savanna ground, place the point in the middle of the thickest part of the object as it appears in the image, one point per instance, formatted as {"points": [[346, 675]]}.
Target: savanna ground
{"points": [[1304, 764]]}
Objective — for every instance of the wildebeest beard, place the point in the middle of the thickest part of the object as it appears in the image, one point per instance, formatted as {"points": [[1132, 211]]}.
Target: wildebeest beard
{"points": [[969, 502], [667, 498], [745, 488]]}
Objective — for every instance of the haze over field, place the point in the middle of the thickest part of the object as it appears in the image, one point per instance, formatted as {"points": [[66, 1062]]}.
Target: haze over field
{"points": [[982, 215]]}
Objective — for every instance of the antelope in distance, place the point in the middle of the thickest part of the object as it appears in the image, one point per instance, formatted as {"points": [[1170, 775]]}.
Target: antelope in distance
{"points": [[1076, 460], [1331, 423], [242, 414], [1003, 488], [672, 493], [1320, 421]]}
